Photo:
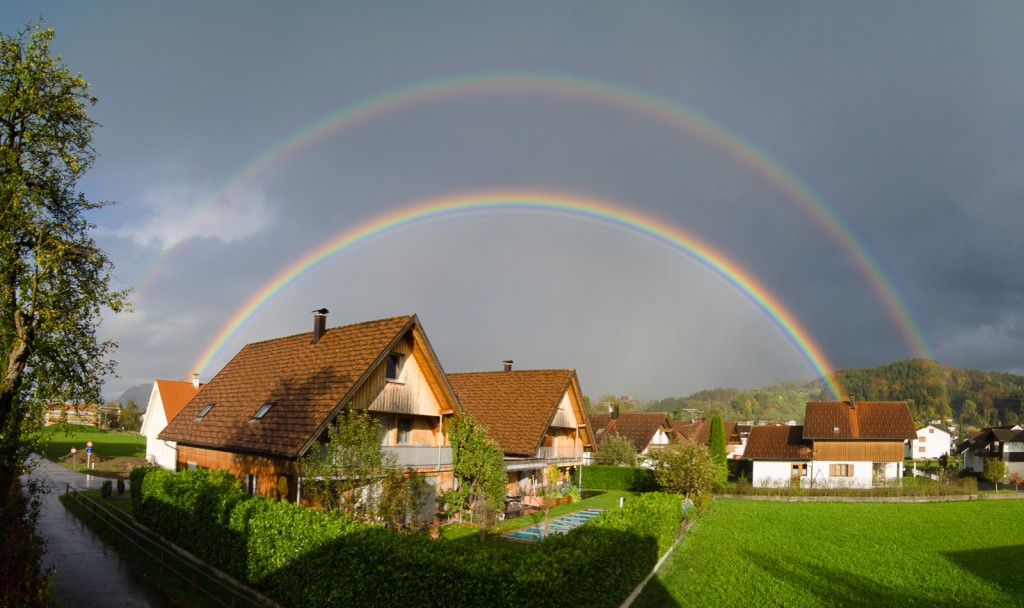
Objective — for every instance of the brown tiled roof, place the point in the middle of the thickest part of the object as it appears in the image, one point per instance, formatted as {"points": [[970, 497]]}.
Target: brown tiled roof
{"points": [[701, 431], [638, 427], [777, 443], [308, 384], [175, 395], [862, 420], [516, 407]]}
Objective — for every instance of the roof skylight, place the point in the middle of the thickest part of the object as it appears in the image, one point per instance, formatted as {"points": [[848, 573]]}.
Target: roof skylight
{"points": [[205, 411], [260, 413]]}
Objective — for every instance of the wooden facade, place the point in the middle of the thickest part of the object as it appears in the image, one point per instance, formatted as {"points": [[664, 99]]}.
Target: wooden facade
{"points": [[862, 451]]}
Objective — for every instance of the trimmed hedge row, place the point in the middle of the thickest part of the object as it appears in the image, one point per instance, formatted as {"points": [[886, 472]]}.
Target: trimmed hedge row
{"points": [[303, 557], [610, 477]]}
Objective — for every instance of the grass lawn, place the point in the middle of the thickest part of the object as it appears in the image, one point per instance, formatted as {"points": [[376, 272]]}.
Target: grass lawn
{"points": [[118, 451], [746, 553]]}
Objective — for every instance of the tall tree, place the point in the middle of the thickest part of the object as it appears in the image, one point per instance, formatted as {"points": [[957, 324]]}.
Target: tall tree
{"points": [[131, 417], [717, 447], [54, 279], [479, 468]]}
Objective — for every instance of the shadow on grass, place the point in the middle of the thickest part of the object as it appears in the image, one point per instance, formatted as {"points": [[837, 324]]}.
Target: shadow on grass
{"points": [[835, 586], [993, 564]]}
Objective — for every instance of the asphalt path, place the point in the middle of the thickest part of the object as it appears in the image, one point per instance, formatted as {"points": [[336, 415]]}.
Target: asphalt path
{"points": [[88, 573]]}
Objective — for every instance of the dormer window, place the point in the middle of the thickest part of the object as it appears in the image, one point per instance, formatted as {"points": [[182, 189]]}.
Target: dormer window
{"points": [[394, 367], [206, 410], [260, 413]]}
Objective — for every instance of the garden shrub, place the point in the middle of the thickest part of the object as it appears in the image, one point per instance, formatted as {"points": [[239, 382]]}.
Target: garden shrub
{"points": [[303, 557], [629, 479]]}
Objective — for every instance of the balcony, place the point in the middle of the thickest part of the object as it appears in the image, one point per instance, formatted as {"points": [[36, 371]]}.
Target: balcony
{"points": [[561, 454], [421, 457]]}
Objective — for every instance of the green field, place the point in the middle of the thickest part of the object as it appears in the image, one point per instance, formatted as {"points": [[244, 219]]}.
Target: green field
{"points": [[752, 553], [106, 444]]}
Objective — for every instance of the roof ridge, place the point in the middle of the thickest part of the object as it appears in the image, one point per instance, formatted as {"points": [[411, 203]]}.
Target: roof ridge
{"points": [[336, 327]]}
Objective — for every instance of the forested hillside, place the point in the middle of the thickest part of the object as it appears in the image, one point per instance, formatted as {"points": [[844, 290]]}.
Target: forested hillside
{"points": [[933, 391]]}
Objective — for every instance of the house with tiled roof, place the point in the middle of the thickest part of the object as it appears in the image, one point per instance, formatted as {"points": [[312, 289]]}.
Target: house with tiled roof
{"points": [[536, 416], [700, 432], [273, 402], [841, 443], [931, 442], [166, 400], [1005, 443], [646, 430]]}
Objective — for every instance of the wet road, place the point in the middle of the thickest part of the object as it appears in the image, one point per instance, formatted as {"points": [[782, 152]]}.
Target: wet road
{"points": [[88, 572]]}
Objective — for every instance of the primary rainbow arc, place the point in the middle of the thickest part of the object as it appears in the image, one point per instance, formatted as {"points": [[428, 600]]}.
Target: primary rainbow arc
{"points": [[538, 202]]}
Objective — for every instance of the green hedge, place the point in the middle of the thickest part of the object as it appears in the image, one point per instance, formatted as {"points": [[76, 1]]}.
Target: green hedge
{"points": [[608, 477], [303, 557]]}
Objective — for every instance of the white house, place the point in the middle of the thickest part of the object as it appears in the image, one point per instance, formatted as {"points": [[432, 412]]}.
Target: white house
{"points": [[931, 443], [841, 443], [165, 401]]}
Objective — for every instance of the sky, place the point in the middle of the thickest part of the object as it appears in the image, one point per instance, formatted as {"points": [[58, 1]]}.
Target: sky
{"points": [[840, 183]]}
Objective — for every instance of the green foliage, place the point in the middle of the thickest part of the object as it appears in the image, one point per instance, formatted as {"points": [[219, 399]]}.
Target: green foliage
{"points": [[305, 557], [807, 554], [54, 280], [352, 472], [479, 468], [719, 452], [131, 416], [995, 471], [614, 449], [686, 468], [630, 479], [23, 582]]}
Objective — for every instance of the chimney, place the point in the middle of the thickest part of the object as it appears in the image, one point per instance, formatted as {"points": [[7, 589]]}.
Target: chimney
{"points": [[319, 324], [508, 364], [195, 380], [853, 402]]}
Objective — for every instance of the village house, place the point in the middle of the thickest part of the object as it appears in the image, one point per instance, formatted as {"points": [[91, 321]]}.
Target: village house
{"points": [[841, 443], [700, 432], [102, 416], [166, 400], [931, 442], [537, 417], [1005, 443], [273, 402], [645, 430]]}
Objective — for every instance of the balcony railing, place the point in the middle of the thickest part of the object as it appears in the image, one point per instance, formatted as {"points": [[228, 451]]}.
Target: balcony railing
{"points": [[421, 456]]}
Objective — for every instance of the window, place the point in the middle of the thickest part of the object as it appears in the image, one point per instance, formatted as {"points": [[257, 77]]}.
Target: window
{"points": [[840, 470], [404, 430], [260, 413], [205, 411], [191, 466], [930, 431], [921, 449], [394, 366], [250, 483], [921, 438], [799, 469]]}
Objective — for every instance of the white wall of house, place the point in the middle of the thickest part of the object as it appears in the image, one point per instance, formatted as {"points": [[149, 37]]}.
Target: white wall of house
{"points": [[973, 462], [774, 473], [660, 438], [931, 443], [1015, 447], [158, 451]]}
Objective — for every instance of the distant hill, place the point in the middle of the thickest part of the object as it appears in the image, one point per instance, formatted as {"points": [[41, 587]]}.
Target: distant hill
{"points": [[931, 389], [139, 392], [780, 401]]}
